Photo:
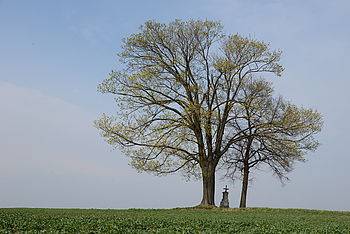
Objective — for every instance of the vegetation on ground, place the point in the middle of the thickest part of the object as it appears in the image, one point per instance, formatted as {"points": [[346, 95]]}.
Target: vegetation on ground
{"points": [[180, 220]]}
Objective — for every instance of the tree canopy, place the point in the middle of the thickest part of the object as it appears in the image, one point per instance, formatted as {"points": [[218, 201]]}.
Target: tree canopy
{"points": [[278, 134], [177, 96]]}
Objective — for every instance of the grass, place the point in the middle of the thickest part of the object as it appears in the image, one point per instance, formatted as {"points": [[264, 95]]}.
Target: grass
{"points": [[179, 220]]}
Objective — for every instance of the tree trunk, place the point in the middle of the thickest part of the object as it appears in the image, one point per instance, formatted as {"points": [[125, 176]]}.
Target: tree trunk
{"points": [[243, 203], [208, 177]]}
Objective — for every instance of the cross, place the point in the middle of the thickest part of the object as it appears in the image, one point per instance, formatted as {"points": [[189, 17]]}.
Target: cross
{"points": [[226, 188]]}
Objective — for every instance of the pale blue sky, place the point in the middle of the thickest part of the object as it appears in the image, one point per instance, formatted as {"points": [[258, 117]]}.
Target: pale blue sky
{"points": [[54, 53]]}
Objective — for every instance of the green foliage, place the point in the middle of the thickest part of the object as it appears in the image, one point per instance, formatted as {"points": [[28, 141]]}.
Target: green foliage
{"points": [[277, 132], [179, 98], [251, 220], [175, 94]]}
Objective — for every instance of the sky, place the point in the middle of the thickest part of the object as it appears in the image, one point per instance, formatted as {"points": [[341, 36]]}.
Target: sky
{"points": [[53, 54]]}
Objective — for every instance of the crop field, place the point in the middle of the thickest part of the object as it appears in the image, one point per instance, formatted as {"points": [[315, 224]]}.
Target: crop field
{"points": [[250, 220]]}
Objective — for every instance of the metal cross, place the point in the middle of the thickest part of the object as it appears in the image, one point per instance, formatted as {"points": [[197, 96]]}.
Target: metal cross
{"points": [[226, 188]]}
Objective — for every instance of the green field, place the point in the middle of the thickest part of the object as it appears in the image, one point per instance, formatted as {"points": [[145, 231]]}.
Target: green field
{"points": [[250, 220]]}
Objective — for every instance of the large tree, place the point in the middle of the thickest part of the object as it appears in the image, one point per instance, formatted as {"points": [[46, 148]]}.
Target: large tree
{"points": [[277, 134], [176, 96]]}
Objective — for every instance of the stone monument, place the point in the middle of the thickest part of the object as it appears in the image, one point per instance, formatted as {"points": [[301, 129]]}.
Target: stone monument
{"points": [[224, 202]]}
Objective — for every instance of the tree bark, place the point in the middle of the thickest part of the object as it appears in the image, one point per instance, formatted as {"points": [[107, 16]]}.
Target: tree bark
{"points": [[208, 177], [243, 203]]}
